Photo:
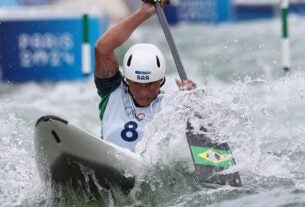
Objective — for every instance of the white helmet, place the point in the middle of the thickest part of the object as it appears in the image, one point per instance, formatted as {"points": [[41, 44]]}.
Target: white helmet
{"points": [[144, 63]]}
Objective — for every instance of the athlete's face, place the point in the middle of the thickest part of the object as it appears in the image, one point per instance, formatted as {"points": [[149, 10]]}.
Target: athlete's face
{"points": [[144, 93]]}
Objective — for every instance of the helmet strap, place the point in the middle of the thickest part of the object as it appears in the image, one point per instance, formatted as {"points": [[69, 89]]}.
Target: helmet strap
{"points": [[163, 82], [125, 82], [128, 91]]}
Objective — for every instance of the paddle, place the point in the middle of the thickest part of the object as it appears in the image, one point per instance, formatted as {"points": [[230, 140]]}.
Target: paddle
{"points": [[209, 156]]}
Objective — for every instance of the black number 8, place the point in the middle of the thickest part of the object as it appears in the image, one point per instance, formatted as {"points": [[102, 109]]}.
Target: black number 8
{"points": [[129, 132]]}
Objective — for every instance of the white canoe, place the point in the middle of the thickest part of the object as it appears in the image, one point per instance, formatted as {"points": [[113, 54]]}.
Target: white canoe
{"points": [[66, 153]]}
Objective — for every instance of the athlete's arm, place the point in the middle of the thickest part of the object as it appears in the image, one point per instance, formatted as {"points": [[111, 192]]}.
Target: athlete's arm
{"points": [[106, 61]]}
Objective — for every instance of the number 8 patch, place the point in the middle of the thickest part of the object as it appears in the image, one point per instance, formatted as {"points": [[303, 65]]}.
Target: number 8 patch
{"points": [[129, 132]]}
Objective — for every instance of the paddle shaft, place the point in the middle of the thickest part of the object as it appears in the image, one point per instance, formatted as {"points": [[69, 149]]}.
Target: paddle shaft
{"points": [[170, 41]]}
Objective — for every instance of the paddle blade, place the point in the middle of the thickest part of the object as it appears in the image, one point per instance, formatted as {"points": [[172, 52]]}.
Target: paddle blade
{"points": [[210, 158]]}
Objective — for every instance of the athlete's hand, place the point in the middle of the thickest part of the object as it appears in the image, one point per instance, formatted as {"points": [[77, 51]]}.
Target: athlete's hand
{"points": [[186, 85], [149, 8]]}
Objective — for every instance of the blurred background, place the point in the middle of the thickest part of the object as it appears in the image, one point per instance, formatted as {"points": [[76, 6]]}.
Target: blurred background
{"points": [[43, 39]]}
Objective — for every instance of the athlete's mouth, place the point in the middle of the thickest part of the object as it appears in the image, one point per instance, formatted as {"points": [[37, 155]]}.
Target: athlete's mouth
{"points": [[143, 101], [143, 98]]}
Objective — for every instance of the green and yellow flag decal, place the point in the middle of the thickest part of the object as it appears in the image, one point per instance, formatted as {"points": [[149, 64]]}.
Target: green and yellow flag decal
{"points": [[212, 157]]}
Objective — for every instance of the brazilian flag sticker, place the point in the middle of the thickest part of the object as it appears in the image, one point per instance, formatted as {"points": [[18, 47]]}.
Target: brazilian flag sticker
{"points": [[212, 157]]}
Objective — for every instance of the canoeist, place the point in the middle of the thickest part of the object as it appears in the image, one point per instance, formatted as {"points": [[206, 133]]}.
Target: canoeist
{"points": [[129, 100]]}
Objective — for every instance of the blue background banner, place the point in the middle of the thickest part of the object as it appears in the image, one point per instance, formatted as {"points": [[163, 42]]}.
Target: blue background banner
{"points": [[210, 11], [8, 3], [44, 49]]}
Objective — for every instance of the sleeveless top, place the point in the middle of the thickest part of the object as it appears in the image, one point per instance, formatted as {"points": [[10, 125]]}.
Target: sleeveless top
{"points": [[122, 121]]}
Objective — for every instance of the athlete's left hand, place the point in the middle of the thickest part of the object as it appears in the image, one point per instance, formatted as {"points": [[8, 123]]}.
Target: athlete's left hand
{"points": [[186, 85]]}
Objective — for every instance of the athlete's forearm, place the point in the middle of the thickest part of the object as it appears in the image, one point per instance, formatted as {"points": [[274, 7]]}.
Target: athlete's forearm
{"points": [[119, 33], [106, 63]]}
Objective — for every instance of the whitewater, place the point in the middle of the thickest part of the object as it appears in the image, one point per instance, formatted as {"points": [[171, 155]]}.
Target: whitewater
{"points": [[253, 104]]}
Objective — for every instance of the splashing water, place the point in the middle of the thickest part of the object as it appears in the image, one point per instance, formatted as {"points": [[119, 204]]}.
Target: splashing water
{"points": [[243, 115], [247, 103]]}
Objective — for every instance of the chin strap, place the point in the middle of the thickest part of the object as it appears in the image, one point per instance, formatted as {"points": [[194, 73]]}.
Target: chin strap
{"points": [[163, 82]]}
